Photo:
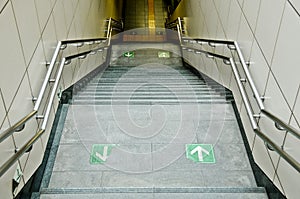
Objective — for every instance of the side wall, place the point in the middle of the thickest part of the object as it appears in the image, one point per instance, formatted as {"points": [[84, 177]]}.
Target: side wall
{"points": [[29, 34], [268, 33]]}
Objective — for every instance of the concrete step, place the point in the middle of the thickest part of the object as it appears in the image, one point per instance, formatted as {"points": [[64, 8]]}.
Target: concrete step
{"points": [[154, 68], [156, 193], [149, 97], [132, 88], [184, 84], [157, 196], [134, 72], [147, 101], [102, 91], [146, 77], [147, 92]]}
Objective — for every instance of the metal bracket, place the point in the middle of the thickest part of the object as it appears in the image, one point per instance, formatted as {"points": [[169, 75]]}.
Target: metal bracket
{"points": [[82, 57], [257, 116], [248, 63], [231, 47], [243, 80], [279, 127], [227, 62], [269, 147], [212, 44], [40, 117], [63, 46], [68, 61], [47, 63], [20, 128], [209, 56]]}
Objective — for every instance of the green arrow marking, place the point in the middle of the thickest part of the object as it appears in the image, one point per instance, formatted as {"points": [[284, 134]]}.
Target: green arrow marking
{"points": [[163, 54], [129, 54], [200, 153], [100, 153]]}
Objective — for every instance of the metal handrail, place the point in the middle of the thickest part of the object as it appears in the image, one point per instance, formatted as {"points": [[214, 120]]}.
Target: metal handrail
{"points": [[12, 160], [8, 132], [46, 80], [54, 89], [258, 99], [294, 163], [199, 51], [284, 125], [249, 78], [244, 95], [20, 152], [83, 40], [235, 46], [172, 24], [111, 26]]}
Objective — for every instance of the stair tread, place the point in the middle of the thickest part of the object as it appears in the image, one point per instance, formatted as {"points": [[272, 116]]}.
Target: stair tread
{"points": [[211, 190]]}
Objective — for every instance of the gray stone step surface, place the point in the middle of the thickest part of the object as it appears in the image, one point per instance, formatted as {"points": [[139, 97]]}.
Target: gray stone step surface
{"points": [[145, 135], [142, 164], [152, 84], [229, 193]]}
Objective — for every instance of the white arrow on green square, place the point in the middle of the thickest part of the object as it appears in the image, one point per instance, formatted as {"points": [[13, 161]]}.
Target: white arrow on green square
{"points": [[200, 153], [129, 54], [100, 153]]}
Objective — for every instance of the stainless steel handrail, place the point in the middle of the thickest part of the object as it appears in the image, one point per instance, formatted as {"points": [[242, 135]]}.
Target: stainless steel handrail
{"points": [[249, 78], [8, 132], [72, 41], [109, 27], [113, 24], [12, 160], [258, 99], [48, 75], [244, 95], [172, 24], [284, 125], [243, 63], [294, 163], [198, 51], [54, 89], [20, 152]]}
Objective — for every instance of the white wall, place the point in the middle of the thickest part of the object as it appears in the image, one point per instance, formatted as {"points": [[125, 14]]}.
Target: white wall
{"points": [[29, 34], [268, 33]]}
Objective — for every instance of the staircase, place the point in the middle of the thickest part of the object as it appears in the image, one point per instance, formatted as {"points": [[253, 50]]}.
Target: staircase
{"points": [[147, 85], [127, 133]]}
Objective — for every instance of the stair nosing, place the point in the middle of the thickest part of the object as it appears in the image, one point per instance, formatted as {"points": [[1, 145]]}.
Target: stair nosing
{"points": [[153, 190]]}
